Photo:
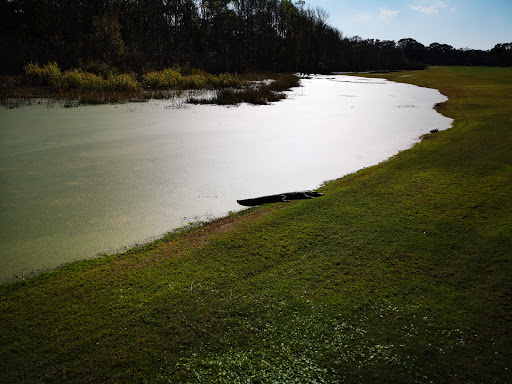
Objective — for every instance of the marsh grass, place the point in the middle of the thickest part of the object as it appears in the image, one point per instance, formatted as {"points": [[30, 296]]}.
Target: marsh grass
{"points": [[98, 83], [400, 273], [258, 92], [51, 75], [178, 78]]}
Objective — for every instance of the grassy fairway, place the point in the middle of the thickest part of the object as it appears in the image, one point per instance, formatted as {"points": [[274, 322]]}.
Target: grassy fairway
{"points": [[400, 273]]}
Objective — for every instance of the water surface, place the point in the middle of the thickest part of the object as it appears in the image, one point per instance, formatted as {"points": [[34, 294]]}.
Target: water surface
{"points": [[75, 182]]}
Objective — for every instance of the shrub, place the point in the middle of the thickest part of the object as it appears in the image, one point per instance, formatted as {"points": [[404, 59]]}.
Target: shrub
{"points": [[124, 82], [226, 80], [105, 79], [52, 75], [189, 78], [33, 72], [76, 79], [284, 82], [195, 81], [101, 69], [167, 78], [49, 75]]}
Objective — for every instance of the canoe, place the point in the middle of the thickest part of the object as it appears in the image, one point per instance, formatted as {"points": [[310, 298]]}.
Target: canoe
{"points": [[280, 197]]}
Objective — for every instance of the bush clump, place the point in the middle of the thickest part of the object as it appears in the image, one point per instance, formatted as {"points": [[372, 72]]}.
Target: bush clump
{"points": [[76, 79], [187, 78], [100, 83], [123, 82], [262, 92], [48, 75], [101, 69], [167, 78], [51, 75]]}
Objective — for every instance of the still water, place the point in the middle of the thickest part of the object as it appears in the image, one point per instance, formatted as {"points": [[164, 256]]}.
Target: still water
{"points": [[75, 182]]}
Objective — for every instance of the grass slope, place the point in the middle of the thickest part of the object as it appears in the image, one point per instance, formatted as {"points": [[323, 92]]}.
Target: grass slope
{"points": [[400, 273]]}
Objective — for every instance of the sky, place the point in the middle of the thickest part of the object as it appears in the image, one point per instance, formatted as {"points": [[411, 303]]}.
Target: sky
{"points": [[475, 24]]}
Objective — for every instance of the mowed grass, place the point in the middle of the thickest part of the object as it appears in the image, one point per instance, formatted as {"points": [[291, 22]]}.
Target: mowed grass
{"points": [[400, 273]]}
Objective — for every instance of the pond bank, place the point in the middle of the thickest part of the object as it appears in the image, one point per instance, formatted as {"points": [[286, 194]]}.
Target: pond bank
{"points": [[90, 180], [400, 272]]}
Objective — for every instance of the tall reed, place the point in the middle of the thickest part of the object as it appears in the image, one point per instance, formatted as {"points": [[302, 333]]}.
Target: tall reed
{"points": [[179, 78], [51, 75]]}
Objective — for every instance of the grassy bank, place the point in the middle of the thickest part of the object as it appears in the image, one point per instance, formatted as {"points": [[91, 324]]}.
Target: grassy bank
{"points": [[400, 273]]}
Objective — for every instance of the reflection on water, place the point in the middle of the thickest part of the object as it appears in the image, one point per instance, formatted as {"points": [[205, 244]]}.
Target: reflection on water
{"points": [[77, 182]]}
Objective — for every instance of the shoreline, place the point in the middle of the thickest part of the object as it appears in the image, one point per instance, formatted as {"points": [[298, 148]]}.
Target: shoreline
{"points": [[123, 248], [380, 280], [252, 88]]}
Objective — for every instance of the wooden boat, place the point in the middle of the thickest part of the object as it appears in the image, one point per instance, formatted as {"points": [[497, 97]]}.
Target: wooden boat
{"points": [[280, 197]]}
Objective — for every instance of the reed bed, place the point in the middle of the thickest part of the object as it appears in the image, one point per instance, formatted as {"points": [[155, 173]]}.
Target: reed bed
{"points": [[51, 75], [196, 79], [97, 83], [261, 92]]}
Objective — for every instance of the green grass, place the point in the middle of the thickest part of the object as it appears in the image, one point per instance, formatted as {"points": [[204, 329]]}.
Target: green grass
{"points": [[400, 273], [496, 70]]}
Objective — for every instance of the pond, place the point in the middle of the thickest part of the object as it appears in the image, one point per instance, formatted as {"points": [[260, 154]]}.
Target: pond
{"points": [[76, 182]]}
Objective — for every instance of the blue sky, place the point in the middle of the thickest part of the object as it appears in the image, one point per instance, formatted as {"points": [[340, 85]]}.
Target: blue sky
{"points": [[477, 24]]}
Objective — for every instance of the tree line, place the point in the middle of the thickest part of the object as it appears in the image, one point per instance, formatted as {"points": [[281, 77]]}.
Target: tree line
{"points": [[216, 35]]}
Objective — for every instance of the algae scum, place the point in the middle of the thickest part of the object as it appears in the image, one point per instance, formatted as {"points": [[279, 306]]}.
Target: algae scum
{"points": [[399, 273], [81, 181]]}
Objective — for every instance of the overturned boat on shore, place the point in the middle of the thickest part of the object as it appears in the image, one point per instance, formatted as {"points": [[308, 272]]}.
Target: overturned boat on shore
{"points": [[280, 197]]}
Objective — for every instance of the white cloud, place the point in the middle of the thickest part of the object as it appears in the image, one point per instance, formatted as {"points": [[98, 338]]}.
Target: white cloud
{"points": [[365, 17], [385, 14], [431, 7], [388, 13]]}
